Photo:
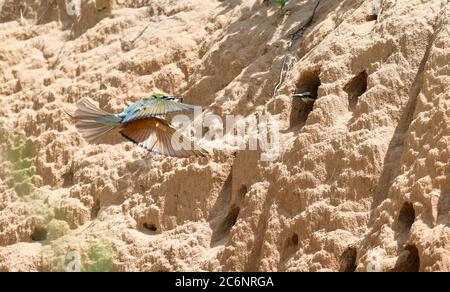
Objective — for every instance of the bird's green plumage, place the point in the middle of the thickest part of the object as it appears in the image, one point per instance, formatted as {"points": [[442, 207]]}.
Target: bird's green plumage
{"points": [[94, 122], [156, 105], [158, 95], [307, 97], [279, 3], [140, 123]]}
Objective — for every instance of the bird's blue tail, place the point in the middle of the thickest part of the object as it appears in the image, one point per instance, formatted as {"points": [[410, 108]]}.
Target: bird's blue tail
{"points": [[93, 122]]}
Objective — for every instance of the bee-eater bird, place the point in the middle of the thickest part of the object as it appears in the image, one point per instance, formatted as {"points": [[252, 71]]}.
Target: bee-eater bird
{"points": [[140, 123], [307, 97], [279, 3]]}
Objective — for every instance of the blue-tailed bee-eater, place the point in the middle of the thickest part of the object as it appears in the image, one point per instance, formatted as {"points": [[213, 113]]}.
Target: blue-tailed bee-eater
{"points": [[307, 97], [141, 123]]}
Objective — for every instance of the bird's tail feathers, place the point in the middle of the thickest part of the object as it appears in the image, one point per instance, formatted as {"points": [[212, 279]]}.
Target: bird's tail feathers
{"points": [[93, 122]]}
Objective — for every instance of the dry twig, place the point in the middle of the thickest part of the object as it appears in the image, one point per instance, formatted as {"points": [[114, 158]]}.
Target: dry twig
{"points": [[288, 58]]}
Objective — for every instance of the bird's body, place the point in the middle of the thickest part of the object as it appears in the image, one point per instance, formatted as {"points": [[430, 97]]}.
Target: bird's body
{"points": [[157, 105], [307, 97], [140, 123], [279, 3]]}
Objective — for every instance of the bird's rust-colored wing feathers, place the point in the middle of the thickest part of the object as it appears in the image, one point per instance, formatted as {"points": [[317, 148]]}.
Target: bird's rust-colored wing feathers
{"points": [[155, 135], [93, 122]]}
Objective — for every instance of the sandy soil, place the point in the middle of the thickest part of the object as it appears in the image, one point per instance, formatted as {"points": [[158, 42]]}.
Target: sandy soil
{"points": [[363, 181]]}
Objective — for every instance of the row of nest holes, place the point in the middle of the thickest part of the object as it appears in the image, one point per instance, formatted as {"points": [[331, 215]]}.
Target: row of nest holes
{"points": [[40, 233], [410, 264], [310, 82], [405, 221], [348, 258], [224, 227]]}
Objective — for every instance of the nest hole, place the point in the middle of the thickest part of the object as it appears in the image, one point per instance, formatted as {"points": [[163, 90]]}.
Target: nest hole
{"points": [[67, 179], [406, 217], [149, 227], [371, 17], [294, 240], [231, 218], [243, 190], [39, 234], [291, 242], [95, 209], [355, 88], [348, 260], [226, 224], [290, 246], [309, 82], [410, 263], [23, 189], [224, 227]]}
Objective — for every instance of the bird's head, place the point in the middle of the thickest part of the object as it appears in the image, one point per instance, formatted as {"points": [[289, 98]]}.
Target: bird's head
{"points": [[160, 94], [168, 96], [304, 94], [306, 97]]}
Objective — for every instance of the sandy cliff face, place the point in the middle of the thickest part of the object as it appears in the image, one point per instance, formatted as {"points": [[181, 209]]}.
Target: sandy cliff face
{"points": [[363, 181]]}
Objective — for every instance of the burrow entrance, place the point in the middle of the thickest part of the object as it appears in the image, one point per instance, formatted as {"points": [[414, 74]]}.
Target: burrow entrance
{"points": [[406, 217], [224, 228], [348, 260], [410, 263], [355, 88], [309, 84]]}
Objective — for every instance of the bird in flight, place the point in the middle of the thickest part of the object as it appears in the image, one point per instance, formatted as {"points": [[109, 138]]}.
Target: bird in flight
{"points": [[140, 123]]}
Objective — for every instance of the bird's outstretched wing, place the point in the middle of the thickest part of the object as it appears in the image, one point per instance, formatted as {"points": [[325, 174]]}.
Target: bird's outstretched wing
{"points": [[156, 135], [153, 107]]}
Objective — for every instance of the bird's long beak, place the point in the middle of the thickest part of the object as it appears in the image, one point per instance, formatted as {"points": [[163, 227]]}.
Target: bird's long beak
{"points": [[64, 110]]}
